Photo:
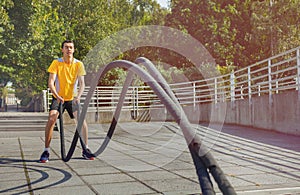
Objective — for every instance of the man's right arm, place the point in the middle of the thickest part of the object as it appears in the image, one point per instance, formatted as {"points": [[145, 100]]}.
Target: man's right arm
{"points": [[52, 88]]}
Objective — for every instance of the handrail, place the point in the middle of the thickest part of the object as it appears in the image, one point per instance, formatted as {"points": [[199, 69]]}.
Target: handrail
{"points": [[276, 74]]}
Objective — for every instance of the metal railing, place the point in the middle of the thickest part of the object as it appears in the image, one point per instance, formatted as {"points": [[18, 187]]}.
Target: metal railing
{"points": [[274, 75]]}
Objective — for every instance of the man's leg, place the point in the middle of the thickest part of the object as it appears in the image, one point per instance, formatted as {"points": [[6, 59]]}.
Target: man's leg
{"points": [[53, 114], [84, 133], [72, 110], [84, 129]]}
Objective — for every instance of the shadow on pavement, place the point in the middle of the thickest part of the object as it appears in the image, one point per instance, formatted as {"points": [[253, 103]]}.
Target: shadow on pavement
{"points": [[23, 166]]}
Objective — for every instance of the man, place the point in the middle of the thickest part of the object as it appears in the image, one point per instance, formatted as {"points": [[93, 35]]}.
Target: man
{"points": [[64, 74]]}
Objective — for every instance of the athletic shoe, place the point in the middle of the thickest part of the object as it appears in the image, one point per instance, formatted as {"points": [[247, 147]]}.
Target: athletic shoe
{"points": [[44, 157], [88, 155]]}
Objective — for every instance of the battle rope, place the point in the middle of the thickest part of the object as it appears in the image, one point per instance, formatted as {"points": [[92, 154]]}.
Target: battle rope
{"points": [[202, 162], [202, 158], [67, 157]]}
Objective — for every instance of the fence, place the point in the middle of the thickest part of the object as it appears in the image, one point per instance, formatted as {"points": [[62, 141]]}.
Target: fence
{"points": [[273, 75]]}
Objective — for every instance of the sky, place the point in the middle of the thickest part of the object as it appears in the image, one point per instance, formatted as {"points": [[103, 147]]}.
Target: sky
{"points": [[163, 3]]}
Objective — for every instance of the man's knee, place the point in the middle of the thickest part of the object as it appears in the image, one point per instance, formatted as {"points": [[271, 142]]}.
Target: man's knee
{"points": [[53, 117]]}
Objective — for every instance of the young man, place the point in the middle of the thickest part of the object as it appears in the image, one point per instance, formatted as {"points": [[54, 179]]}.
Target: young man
{"points": [[64, 74]]}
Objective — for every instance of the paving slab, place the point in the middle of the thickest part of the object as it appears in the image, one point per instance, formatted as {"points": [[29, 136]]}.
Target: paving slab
{"points": [[150, 158]]}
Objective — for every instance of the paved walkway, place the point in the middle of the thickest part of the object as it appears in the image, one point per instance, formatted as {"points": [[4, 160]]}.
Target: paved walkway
{"points": [[149, 158]]}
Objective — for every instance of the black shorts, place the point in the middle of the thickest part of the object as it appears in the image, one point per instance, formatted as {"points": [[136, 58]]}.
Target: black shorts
{"points": [[70, 106]]}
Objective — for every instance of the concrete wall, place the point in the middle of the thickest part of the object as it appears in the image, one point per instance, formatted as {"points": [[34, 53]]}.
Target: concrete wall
{"points": [[103, 117], [282, 114]]}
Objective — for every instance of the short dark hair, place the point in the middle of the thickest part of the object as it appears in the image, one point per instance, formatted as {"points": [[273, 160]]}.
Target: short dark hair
{"points": [[66, 41]]}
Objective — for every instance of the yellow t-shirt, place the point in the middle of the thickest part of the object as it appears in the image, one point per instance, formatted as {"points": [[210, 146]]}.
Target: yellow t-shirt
{"points": [[66, 77]]}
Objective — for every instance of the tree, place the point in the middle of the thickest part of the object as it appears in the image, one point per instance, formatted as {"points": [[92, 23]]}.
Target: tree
{"points": [[239, 33], [276, 26], [5, 28], [220, 26], [32, 45], [40, 27]]}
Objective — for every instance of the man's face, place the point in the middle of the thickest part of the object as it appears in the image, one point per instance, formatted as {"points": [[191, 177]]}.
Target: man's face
{"points": [[68, 49]]}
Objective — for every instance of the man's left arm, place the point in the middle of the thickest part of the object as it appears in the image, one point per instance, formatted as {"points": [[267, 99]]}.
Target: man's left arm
{"points": [[81, 87]]}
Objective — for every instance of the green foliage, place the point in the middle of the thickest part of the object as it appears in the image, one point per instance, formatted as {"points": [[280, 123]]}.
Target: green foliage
{"points": [[236, 33], [170, 73], [215, 24], [114, 77], [31, 32], [239, 33], [4, 92], [276, 26], [5, 28]]}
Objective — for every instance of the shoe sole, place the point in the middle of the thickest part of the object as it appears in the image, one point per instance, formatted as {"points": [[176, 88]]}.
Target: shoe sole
{"points": [[86, 158], [43, 161]]}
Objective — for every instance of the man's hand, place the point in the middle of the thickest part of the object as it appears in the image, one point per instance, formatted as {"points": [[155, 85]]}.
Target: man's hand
{"points": [[77, 100], [60, 99]]}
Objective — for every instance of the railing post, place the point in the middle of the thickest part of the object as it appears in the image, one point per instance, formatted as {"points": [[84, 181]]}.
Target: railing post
{"points": [[194, 94], [137, 101], [249, 85], [232, 86], [45, 100], [298, 72], [216, 90], [133, 103], [97, 104], [270, 80]]}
